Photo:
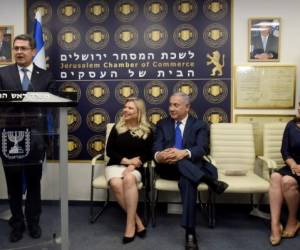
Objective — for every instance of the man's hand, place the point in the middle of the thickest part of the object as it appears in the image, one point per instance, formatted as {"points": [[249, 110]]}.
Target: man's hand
{"points": [[171, 155], [264, 56]]}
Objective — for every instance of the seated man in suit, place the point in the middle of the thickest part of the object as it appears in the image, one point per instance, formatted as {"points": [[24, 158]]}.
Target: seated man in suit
{"points": [[180, 142]]}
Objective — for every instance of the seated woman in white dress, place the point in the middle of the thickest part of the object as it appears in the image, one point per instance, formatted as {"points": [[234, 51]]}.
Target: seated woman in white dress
{"points": [[129, 146]]}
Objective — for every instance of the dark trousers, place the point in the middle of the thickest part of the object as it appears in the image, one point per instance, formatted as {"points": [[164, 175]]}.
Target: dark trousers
{"points": [[14, 179], [189, 176]]}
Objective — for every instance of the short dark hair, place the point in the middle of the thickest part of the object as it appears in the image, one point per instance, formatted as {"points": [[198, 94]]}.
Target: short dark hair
{"points": [[26, 37]]}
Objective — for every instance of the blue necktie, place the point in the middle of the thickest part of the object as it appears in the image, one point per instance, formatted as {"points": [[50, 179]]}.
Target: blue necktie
{"points": [[178, 136], [25, 81]]}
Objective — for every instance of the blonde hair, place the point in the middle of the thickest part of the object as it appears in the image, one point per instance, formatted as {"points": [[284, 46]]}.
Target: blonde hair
{"points": [[143, 128]]}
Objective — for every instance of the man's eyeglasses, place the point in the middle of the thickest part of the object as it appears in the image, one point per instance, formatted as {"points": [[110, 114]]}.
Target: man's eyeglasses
{"points": [[22, 49]]}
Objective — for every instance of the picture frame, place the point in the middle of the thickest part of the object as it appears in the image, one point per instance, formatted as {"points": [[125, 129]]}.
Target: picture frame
{"points": [[264, 86], [6, 40], [264, 39]]}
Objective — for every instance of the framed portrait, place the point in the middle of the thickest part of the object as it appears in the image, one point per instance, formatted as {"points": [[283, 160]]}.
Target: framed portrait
{"points": [[6, 39], [264, 39]]}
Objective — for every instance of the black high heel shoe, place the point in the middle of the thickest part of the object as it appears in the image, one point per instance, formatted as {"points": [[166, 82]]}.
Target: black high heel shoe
{"points": [[128, 239], [142, 233]]}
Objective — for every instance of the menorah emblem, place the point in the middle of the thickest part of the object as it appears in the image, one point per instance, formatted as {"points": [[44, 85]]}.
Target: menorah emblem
{"points": [[16, 137], [11, 141]]}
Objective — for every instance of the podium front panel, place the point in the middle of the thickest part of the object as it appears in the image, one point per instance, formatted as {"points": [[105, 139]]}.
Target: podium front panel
{"points": [[29, 138]]}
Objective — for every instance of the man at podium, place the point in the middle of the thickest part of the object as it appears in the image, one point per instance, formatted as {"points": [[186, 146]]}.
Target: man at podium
{"points": [[23, 151]]}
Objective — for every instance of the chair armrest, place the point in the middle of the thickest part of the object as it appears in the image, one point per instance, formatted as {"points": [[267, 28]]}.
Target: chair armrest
{"points": [[271, 164], [152, 164], [95, 158], [268, 166], [147, 164]]}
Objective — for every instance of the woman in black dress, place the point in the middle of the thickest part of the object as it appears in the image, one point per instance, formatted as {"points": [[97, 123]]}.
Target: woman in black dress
{"points": [[285, 185], [128, 147]]}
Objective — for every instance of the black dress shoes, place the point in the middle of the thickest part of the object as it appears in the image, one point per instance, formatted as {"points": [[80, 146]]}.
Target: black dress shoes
{"points": [[191, 242], [219, 186], [35, 230], [16, 233]]}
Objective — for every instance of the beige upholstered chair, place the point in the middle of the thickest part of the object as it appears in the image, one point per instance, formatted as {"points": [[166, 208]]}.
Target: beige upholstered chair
{"points": [[233, 153], [272, 140], [99, 182], [163, 185]]}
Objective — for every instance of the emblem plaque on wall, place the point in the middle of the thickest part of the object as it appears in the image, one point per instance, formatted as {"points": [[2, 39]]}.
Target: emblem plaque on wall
{"points": [[215, 35], [97, 37], [73, 119], [215, 9], [215, 115], [97, 92], [124, 90], [155, 10], [70, 87], [126, 10], [48, 38], [68, 11], [74, 146], [68, 38], [155, 36], [97, 11], [155, 114], [185, 36], [215, 91], [126, 36], [188, 87], [44, 8], [185, 10], [155, 92], [97, 119], [96, 145]]}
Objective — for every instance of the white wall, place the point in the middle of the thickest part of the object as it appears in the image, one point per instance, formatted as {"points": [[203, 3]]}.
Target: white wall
{"points": [[12, 13], [288, 11]]}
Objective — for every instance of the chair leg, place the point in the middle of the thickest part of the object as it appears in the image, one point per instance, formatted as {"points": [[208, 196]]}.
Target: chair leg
{"points": [[146, 213], [94, 217], [204, 207], [256, 211], [153, 207], [211, 209]]}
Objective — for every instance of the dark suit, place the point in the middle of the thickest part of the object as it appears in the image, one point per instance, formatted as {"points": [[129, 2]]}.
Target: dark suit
{"points": [[31, 165], [188, 171], [271, 46]]}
